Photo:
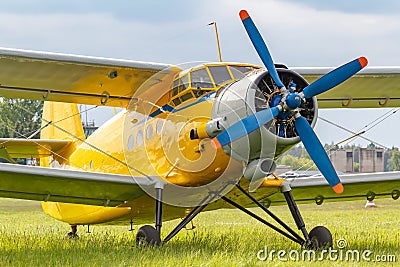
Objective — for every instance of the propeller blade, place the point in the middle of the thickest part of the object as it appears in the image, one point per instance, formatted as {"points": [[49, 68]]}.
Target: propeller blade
{"points": [[335, 77], [260, 46], [317, 153], [245, 126]]}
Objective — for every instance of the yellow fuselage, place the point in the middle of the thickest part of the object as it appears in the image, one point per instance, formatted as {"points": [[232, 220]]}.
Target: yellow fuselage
{"points": [[148, 140], [159, 146]]}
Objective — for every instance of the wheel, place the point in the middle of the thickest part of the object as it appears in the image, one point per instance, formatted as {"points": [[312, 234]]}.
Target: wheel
{"points": [[320, 237], [148, 235], [73, 234]]}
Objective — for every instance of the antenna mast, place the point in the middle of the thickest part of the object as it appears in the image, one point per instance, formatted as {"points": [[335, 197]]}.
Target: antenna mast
{"points": [[216, 36]]}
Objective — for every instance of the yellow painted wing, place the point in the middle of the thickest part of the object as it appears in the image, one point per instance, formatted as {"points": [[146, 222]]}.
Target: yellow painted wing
{"points": [[373, 87], [59, 185], [30, 148], [76, 79], [356, 186]]}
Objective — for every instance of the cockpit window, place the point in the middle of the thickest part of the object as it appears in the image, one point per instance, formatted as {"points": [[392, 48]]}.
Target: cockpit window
{"points": [[180, 85], [183, 83], [198, 81], [200, 78], [239, 71], [220, 74], [175, 87]]}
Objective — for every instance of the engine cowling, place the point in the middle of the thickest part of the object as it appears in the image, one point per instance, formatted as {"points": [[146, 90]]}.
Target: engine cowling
{"points": [[256, 92]]}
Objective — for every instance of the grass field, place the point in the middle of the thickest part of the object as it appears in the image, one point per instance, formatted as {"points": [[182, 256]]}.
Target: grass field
{"points": [[221, 238]]}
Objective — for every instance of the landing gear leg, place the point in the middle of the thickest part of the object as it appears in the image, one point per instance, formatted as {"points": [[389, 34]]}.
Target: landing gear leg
{"points": [[158, 210], [73, 233], [286, 190], [319, 237], [147, 234], [202, 204]]}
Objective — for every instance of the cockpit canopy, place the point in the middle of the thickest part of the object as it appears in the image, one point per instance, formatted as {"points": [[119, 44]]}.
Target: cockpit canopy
{"points": [[200, 80]]}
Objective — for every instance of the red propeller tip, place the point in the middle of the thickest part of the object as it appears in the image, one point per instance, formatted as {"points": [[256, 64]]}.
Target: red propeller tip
{"points": [[338, 188], [243, 14], [215, 143], [363, 61]]}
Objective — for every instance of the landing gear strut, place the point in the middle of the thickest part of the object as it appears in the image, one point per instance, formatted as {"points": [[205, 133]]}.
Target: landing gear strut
{"points": [[286, 190], [319, 237], [147, 234]]}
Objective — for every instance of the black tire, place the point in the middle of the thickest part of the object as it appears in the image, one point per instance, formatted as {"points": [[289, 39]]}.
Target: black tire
{"points": [[320, 237], [148, 236], [72, 235]]}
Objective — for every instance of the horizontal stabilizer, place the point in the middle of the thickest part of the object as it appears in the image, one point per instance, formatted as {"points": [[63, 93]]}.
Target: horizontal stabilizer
{"points": [[30, 148]]}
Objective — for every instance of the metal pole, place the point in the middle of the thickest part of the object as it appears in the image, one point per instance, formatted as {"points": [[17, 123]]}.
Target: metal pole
{"points": [[217, 38]]}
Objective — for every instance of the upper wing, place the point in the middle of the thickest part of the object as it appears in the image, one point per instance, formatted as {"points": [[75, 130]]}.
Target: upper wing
{"points": [[76, 79], [356, 186], [58, 185], [373, 87]]}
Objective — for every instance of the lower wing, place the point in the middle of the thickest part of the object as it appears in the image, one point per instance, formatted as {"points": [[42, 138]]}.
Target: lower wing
{"points": [[356, 186], [102, 189], [70, 186]]}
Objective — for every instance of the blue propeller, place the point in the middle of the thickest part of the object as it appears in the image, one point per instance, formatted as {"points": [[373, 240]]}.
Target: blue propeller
{"points": [[260, 46], [335, 77], [245, 126], [291, 102], [317, 153]]}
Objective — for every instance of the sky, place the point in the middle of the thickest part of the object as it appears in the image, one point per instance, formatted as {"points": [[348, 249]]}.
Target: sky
{"points": [[298, 33]]}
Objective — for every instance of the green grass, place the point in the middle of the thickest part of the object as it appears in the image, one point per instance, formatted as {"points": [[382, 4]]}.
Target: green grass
{"points": [[221, 238]]}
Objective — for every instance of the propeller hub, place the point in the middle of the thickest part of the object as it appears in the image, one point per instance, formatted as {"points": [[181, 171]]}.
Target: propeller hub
{"points": [[275, 100], [293, 100]]}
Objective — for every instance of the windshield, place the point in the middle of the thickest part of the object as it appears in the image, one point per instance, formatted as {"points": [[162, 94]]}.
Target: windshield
{"points": [[220, 74], [201, 79], [239, 71]]}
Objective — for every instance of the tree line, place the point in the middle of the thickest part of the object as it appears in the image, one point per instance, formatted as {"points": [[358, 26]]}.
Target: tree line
{"points": [[20, 118]]}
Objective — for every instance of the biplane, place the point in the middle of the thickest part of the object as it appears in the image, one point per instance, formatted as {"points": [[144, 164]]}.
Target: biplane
{"points": [[186, 141]]}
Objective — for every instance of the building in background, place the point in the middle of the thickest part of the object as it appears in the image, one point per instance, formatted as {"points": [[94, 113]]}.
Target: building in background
{"points": [[89, 127], [367, 160], [371, 160], [342, 160]]}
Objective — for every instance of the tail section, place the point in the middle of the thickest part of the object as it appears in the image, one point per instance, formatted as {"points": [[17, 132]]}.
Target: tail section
{"points": [[65, 121], [61, 121]]}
